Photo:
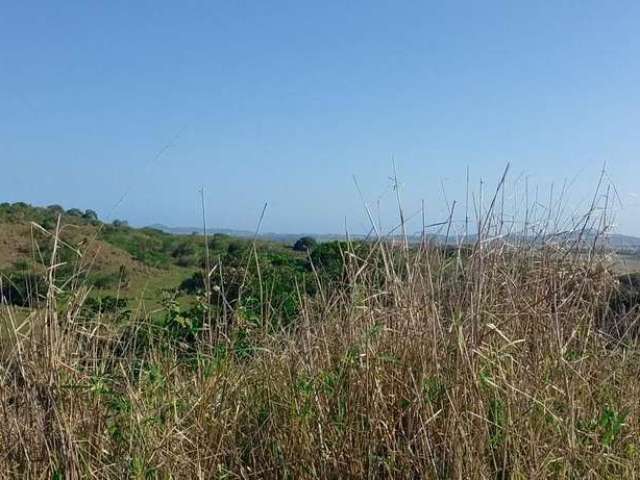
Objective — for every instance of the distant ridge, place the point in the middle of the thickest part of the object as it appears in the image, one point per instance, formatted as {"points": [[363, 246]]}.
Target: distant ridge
{"points": [[210, 231], [615, 241], [278, 237]]}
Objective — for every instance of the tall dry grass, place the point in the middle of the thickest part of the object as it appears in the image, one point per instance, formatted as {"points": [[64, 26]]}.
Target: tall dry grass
{"points": [[485, 361]]}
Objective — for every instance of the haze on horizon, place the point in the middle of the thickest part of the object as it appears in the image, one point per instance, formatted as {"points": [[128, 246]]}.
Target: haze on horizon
{"points": [[130, 109]]}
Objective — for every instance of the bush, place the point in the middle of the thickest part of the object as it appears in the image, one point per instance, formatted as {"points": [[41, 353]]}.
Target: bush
{"points": [[192, 285], [149, 246], [620, 320], [22, 288], [183, 249], [90, 215], [305, 244], [103, 281], [106, 305], [56, 209], [331, 259]]}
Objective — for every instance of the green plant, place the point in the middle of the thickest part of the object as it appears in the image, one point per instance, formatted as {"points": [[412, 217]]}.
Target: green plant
{"points": [[305, 244]]}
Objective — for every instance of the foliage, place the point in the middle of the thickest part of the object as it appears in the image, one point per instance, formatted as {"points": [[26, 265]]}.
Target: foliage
{"points": [[332, 259], [74, 212], [21, 212], [23, 288], [148, 246], [90, 215], [182, 325], [304, 244], [250, 278], [104, 305]]}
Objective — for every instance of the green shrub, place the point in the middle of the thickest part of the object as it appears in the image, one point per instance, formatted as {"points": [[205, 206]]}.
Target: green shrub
{"points": [[22, 288], [106, 305], [90, 215], [105, 280], [305, 244]]}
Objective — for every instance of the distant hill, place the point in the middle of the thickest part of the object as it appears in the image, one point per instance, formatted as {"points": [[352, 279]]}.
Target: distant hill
{"points": [[624, 242], [274, 237], [615, 241], [198, 230]]}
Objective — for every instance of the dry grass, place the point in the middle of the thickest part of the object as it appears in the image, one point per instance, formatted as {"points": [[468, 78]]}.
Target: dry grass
{"points": [[493, 362], [488, 365]]}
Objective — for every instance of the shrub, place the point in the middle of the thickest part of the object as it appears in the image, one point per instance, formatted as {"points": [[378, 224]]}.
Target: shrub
{"points": [[90, 215], [56, 209], [183, 249], [22, 288], [192, 285], [332, 258], [106, 305], [304, 244], [105, 280]]}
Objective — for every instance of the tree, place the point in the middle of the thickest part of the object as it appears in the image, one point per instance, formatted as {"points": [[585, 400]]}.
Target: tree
{"points": [[90, 215], [120, 223], [56, 209], [74, 212], [183, 249], [305, 244]]}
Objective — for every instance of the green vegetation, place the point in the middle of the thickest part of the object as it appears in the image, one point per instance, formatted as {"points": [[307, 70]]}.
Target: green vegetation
{"points": [[150, 263], [305, 244]]}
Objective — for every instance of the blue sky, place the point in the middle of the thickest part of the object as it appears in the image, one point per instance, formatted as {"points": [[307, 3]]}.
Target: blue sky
{"points": [[131, 107]]}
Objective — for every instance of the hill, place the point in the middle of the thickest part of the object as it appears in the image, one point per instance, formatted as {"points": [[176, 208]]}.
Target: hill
{"points": [[613, 241], [118, 261]]}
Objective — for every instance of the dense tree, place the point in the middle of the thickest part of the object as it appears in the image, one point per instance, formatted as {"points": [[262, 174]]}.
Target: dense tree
{"points": [[90, 215], [74, 212], [304, 244], [120, 223], [56, 209]]}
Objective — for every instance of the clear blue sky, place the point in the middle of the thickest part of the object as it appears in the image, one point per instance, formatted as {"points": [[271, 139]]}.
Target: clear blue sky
{"points": [[282, 102]]}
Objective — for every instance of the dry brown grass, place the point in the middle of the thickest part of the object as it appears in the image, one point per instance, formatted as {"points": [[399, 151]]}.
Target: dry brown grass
{"points": [[488, 364], [494, 361]]}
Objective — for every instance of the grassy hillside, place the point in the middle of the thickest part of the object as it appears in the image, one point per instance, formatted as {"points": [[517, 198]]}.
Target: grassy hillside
{"points": [[115, 260], [85, 248]]}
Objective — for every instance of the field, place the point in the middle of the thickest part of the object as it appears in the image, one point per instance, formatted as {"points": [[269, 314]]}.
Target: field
{"points": [[344, 360]]}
